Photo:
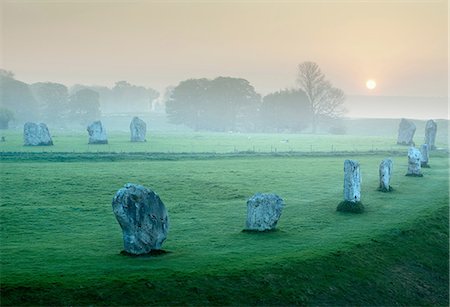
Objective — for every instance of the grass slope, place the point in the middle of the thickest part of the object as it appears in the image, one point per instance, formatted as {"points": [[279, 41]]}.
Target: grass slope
{"points": [[61, 243]]}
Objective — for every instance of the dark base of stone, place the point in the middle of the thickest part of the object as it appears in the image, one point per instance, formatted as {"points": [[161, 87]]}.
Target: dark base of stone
{"points": [[40, 144], [349, 206], [414, 175], [259, 231], [424, 165], [390, 189], [152, 253], [98, 142]]}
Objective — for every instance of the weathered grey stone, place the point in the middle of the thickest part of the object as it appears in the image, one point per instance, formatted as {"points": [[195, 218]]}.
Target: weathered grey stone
{"points": [[430, 134], [36, 135], [406, 132], [263, 211], [414, 158], [97, 134], [352, 181], [385, 171], [424, 156], [138, 129], [143, 218]]}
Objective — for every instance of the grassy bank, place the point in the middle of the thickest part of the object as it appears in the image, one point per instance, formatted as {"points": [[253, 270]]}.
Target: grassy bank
{"points": [[61, 244]]}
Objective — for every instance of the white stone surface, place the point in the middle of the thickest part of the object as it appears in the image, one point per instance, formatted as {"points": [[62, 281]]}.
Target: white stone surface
{"points": [[97, 133], [36, 135], [143, 218], [385, 172], [414, 158], [138, 130], [352, 181], [406, 132], [263, 211]]}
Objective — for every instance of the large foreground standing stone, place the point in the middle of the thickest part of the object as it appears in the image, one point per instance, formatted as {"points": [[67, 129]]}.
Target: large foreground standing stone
{"points": [[143, 218], [352, 188], [97, 134], [424, 156], [263, 211], [36, 135], [414, 158], [430, 134], [385, 171], [406, 132], [138, 129]]}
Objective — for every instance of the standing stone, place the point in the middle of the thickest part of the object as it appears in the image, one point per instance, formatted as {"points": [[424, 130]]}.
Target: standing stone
{"points": [[424, 156], [406, 132], [352, 188], [430, 134], [414, 158], [138, 129], [263, 211], [97, 134], [36, 135], [385, 171], [142, 217]]}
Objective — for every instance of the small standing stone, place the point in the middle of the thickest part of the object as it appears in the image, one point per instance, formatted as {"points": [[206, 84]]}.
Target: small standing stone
{"points": [[414, 158], [352, 188], [138, 129], [36, 135], [406, 132], [424, 156], [385, 171], [263, 211], [430, 134], [143, 218], [97, 134]]}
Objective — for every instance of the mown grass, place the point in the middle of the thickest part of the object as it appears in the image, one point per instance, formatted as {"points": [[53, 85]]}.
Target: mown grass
{"points": [[61, 243], [165, 142]]}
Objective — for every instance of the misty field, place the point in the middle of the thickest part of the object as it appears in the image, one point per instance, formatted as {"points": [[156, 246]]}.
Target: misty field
{"points": [[61, 243]]}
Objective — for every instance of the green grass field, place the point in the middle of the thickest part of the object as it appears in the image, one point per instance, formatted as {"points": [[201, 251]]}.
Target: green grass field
{"points": [[61, 243]]}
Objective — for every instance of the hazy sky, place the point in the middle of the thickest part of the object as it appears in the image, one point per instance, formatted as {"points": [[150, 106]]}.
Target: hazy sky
{"points": [[400, 44]]}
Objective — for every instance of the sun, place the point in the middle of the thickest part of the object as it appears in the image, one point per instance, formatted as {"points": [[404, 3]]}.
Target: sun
{"points": [[371, 84]]}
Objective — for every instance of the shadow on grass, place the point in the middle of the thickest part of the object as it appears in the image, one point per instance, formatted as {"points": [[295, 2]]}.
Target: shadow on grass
{"points": [[152, 253]]}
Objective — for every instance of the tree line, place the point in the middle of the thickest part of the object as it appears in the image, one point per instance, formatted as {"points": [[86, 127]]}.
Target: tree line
{"points": [[60, 106], [220, 104]]}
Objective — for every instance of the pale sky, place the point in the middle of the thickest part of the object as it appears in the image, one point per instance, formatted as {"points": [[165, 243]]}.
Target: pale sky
{"points": [[403, 45]]}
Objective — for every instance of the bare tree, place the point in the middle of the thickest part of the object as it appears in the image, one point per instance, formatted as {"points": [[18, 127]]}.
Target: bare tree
{"points": [[325, 101]]}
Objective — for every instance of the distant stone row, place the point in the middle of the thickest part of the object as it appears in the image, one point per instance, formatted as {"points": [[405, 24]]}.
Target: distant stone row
{"points": [[407, 129], [145, 221], [37, 134]]}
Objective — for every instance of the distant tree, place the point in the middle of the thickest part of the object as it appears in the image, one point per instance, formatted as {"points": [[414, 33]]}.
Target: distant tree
{"points": [[53, 101], [222, 104], [128, 98], [286, 110], [5, 117], [84, 106], [325, 101], [187, 103], [16, 96]]}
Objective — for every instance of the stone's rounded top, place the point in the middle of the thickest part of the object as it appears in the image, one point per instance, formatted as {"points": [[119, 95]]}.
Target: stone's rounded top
{"points": [[351, 161], [431, 124], [264, 197]]}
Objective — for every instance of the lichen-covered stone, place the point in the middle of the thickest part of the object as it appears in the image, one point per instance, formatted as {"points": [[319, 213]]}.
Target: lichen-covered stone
{"points": [[430, 134], [143, 218], [424, 156], [352, 181], [414, 158], [263, 211], [406, 132], [138, 130], [36, 135], [385, 172], [97, 133]]}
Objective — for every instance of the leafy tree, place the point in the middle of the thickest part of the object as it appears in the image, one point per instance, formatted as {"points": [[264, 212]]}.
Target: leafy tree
{"points": [[221, 104], [16, 96], [131, 98], [5, 117], [286, 110], [53, 101], [325, 101], [84, 106]]}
